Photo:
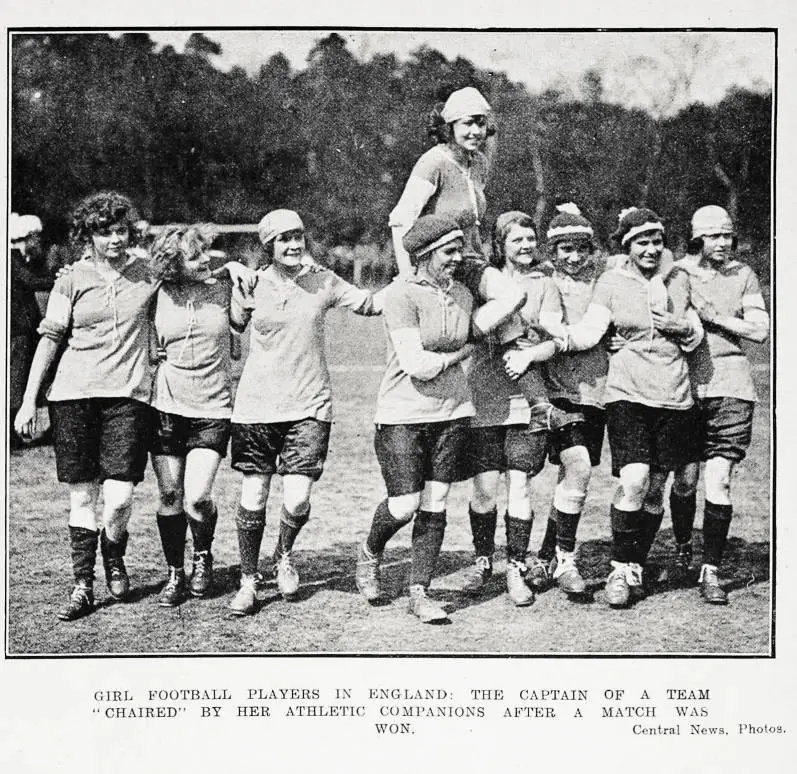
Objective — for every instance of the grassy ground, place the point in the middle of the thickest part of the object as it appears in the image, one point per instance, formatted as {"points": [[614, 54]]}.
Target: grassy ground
{"points": [[329, 615]]}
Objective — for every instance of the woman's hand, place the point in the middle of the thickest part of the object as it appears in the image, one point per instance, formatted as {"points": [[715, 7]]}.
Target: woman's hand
{"points": [[706, 311], [615, 343], [242, 276], [465, 352], [668, 324], [66, 269], [517, 361], [25, 420], [312, 265]]}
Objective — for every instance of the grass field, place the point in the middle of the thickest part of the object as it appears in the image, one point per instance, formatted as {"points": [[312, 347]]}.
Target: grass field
{"points": [[329, 615]]}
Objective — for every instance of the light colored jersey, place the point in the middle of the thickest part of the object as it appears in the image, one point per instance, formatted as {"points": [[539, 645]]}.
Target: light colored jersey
{"points": [[650, 368], [579, 377], [192, 329], [496, 398], [425, 324], [719, 366], [285, 377], [445, 179], [104, 319]]}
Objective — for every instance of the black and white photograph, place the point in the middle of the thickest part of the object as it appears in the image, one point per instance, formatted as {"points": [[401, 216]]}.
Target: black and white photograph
{"points": [[447, 346], [319, 335]]}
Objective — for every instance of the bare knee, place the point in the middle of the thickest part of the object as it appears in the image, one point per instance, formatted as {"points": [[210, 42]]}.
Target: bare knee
{"points": [[170, 497], [718, 480], [577, 468], [201, 507], [685, 480], [483, 492], [403, 507], [634, 481]]}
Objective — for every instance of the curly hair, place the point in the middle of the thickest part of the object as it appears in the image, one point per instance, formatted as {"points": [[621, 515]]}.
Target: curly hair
{"points": [[175, 244], [503, 224], [440, 131], [99, 211]]}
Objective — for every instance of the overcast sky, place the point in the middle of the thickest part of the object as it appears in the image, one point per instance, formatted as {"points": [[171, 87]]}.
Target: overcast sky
{"points": [[539, 59]]}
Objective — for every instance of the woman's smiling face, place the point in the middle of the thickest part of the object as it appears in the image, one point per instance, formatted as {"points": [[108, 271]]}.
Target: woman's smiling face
{"points": [[645, 251], [470, 132], [289, 247], [520, 245]]}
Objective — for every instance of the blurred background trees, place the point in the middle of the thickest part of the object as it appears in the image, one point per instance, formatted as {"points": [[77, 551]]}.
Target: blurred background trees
{"points": [[337, 139]]}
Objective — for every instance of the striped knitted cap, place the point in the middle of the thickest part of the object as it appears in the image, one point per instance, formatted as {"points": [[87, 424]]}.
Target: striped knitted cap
{"points": [[636, 220], [568, 223]]}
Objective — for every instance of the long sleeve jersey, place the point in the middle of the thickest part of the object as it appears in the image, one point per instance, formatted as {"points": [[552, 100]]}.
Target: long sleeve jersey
{"points": [[579, 377], [425, 324], [650, 368], [719, 366], [496, 398]]}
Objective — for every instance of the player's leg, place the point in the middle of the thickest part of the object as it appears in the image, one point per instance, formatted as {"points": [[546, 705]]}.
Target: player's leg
{"points": [[254, 451], [125, 429], [400, 452], [201, 467], [171, 520]]}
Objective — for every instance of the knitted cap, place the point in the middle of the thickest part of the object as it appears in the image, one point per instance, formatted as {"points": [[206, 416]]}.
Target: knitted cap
{"points": [[465, 102], [430, 232], [22, 226], [636, 220], [711, 220], [278, 222], [568, 223]]}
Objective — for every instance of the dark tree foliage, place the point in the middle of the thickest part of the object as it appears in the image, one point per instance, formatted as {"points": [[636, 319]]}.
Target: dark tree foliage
{"points": [[337, 140]]}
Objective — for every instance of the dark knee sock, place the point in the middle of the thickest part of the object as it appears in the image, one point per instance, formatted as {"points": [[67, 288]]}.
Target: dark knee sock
{"points": [[682, 512], [202, 532], [625, 535], [113, 549], [172, 532], [518, 533], [290, 526], [566, 528], [427, 540], [650, 523], [383, 527], [83, 543], [716, 523], [482, 527], [250, 526], [548, 547]]}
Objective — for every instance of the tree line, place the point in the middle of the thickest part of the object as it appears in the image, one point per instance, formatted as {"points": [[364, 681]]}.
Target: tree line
{"points": [[337, 139]]}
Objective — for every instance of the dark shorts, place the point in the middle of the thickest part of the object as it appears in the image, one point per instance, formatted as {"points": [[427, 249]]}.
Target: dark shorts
{"points": [[505, 447], [727, 427], [411, 455], [659, 437], [100, 438], [175, 435], [289, 448], [588, 433]]}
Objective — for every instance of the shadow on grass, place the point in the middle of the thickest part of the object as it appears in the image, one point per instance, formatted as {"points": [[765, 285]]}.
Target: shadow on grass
{"points": [[745, 563]]}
